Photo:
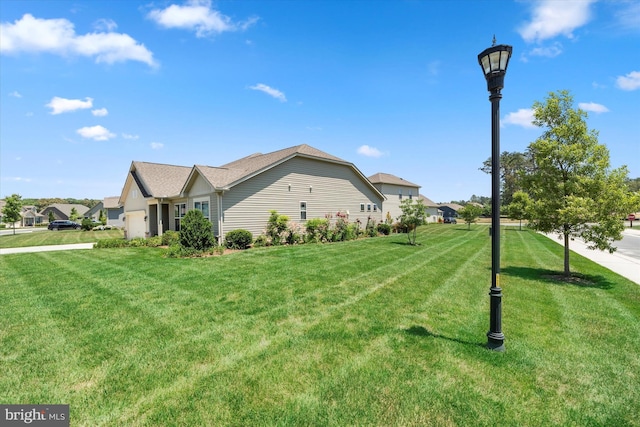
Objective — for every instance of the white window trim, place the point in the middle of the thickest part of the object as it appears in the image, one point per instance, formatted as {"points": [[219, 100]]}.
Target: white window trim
{"points": [[200, 200]]}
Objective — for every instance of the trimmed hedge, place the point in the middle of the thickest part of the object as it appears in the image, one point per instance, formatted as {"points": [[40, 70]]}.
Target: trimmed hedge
{"points": [[238, 239]]}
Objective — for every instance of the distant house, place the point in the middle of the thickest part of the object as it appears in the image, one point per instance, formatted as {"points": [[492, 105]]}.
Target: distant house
{"points": [[29, 216], [450, 210], [395, 190], [113, 212], [301, 182], [63, 210], [431, 208]]}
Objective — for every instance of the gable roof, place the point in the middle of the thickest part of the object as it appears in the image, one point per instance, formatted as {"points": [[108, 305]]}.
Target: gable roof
{"points": [[240, 170], [387, 178], [428, 202], [456, 207], [65, 208], [111, 202], [159, 180]]}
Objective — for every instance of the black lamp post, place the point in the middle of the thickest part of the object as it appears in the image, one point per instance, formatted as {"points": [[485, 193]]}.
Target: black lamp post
{"points": [[494, 62]]}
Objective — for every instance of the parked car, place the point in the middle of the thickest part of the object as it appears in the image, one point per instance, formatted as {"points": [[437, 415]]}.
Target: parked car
{"points": [[61, 224], [450, 220]]}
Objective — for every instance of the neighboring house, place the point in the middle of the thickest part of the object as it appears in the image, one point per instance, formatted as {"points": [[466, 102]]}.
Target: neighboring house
{"points": [[29, 216], [301, 182], [94, 212], [450, 210], [395, 190], [112, 211], [431, 208], [63, 210]]}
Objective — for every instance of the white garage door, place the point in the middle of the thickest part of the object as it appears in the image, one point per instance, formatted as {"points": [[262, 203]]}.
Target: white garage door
{"points": [[136, 226]]}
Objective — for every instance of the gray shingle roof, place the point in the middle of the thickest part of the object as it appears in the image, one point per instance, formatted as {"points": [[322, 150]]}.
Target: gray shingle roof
{"points": [[387, 178], [428, 202], [239, 170], [158, 180]]}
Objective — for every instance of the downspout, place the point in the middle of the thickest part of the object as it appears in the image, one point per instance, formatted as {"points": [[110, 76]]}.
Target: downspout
{"points": [[220, 235]]}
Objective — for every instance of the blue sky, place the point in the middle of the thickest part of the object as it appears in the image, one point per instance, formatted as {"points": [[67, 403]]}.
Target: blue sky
{"points": [[86, 87]]}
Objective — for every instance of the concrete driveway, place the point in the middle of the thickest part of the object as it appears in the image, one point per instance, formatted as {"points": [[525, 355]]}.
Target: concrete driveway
{"points": [[46, 248]]}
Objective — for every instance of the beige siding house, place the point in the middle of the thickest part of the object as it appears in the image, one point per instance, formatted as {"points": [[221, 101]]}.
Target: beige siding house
{"points": [[432, 209], [395, 190], [301, 182]]}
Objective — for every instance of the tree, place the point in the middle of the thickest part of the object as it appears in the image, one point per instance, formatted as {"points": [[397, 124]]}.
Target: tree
{"points": [[519, 206], [195, 231], [73, 215], [512, 165], [413, 215], [470, 213], [11, 213], [102, 218], [51, 216], [574, 191]]}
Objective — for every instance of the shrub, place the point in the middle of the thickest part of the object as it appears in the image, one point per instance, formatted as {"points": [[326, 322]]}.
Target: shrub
{"points": [[384, 228], [137, 242], [178, 251], [154, 242], [317, 230], [261, 241], [276, 226], [87, 224], [238, 239], [195, 231], [170, 237]]}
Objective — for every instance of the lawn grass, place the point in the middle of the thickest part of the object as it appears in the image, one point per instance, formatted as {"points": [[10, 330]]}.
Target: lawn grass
{"points": [[368, 332], [62, 237]]}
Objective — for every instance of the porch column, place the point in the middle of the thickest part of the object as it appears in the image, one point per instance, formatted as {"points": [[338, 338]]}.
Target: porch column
{"points": [[159, 211]]}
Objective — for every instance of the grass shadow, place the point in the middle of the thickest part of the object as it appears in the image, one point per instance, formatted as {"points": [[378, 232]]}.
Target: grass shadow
{"points": [[557, 278], [421, 331]]}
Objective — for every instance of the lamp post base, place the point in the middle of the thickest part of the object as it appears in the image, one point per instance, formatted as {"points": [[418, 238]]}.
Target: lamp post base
{"points": [[495, 341]]}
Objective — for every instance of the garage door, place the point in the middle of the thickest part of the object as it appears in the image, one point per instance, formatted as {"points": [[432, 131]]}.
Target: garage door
{"points": [[135, 224]]}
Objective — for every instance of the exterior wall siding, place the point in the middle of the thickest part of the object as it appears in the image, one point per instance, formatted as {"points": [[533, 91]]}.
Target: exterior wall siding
{"points": [[392, 204], [325, 187]]}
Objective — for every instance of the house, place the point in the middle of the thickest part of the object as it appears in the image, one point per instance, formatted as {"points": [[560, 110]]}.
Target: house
{"points": [[301, 182], [113, 212], [395, 190], [450, 210], [29, 216], [431, 208], [63, 210]]}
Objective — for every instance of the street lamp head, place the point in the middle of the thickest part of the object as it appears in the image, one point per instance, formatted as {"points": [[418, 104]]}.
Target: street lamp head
{"points": [[494, 62]]}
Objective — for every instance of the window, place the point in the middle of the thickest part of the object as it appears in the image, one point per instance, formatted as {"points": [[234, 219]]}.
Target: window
{"points": [[361, 207], [303, 211], [410, 194], [375, 207], [400, 194], [179, 210], [368, 207], [202, 205]]}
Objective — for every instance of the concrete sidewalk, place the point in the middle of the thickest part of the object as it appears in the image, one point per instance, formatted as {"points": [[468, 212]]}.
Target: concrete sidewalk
{"points": [[623, 265], [46, 248]]}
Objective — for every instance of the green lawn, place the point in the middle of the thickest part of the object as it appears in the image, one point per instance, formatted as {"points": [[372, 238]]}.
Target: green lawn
{"points": [[369, 332], [63, 237]]}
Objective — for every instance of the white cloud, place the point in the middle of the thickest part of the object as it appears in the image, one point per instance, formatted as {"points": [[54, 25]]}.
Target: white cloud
{"points": [[547, 51], [593, 107], [100, 112], [629, 82], [107, 25], [58, 36], [523, 117], [62, 105], [97, 133], [269, 91], [16, 94], [129, 136], [552, 18], [198, 16], [156, 145], [367, 151], [629, 16]]}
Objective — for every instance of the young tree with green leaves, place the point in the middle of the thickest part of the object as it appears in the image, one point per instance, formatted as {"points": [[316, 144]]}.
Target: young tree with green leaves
{"points": [[103, 217], [73, 215], [413, 215], [12, 211], [519, 206], [52, 217], [470, 214], [196, 231], [574, 192]]}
